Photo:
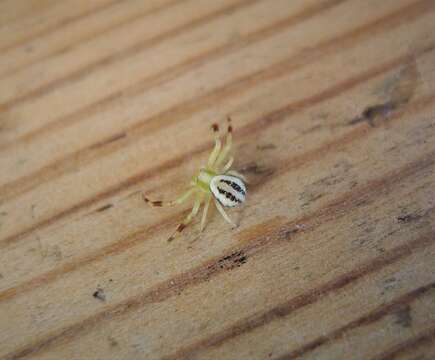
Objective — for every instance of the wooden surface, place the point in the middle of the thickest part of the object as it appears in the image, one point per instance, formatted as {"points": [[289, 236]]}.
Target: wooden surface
{"points": [[333, 109]]}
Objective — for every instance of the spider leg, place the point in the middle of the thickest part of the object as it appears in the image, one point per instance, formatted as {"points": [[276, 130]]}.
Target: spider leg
{"points": [[181, 226], [227, 165], [217, 147], [223, 213], [204, 212], [182, 198], [227, 148], [236, 174]]}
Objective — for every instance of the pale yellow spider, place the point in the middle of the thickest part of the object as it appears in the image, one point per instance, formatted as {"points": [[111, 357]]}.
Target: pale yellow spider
{"points": [[215, 180]]}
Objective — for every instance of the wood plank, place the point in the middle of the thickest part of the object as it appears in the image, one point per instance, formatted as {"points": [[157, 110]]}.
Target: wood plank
{"points": [[332, 105]]}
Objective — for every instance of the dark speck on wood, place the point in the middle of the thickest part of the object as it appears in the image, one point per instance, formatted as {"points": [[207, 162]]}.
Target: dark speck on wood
{"points": [[99, 294]]}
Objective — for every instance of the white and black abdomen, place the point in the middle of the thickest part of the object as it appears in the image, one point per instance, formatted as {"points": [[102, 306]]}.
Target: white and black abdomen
{"points": [[229, 190]]}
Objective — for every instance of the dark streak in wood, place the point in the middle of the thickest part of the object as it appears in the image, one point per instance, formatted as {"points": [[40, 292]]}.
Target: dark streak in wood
{"points": [[104, 208], [266, 147], [108, 140], [408, 218], [234, 260]]}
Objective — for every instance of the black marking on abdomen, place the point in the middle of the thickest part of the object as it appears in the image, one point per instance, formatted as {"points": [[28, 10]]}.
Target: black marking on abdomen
{"points": [[228, 195], [234, 186]]}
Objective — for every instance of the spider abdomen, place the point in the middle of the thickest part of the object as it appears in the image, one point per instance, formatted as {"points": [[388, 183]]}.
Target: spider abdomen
{"points": [[229, 190]]}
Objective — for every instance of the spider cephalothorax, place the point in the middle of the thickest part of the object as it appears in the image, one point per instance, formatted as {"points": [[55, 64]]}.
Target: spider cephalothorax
{"points": [[214, 181]]}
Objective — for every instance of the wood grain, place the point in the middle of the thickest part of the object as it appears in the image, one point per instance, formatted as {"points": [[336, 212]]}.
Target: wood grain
{"points": [[332, 104]]}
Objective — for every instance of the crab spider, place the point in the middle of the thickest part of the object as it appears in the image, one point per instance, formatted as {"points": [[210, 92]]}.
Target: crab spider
{"points": [[215, 181]]}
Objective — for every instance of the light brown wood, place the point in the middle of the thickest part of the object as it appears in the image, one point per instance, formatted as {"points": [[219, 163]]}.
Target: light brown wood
{"points": [[332, 104]]}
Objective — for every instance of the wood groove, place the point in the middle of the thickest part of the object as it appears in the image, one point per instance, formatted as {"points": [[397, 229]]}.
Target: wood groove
{"points": [[257, 125], [175, 71], [371, 317], [186, 109], [92, 36], [405, 347], [21, 16], [334, 132], [202, 273], [149, 126], [137, 236], [59, 25], [328, 213], [111, 59]]}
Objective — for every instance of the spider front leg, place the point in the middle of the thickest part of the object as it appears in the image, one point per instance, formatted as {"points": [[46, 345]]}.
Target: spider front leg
{"points": [[189, 218], [217, 147], [227, 148], [182, 198], [227, 165]]}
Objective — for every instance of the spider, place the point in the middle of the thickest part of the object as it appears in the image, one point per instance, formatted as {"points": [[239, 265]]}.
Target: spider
{"points": [[215, 181]]}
